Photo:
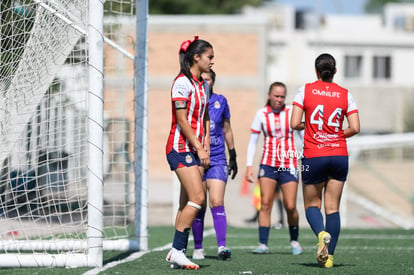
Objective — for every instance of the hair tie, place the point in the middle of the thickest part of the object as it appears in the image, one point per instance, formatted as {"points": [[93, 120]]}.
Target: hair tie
{"points": [[184, 46]]}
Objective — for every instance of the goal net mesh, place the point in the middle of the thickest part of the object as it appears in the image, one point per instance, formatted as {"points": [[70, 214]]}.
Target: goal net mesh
{"points": [[43, 124]]}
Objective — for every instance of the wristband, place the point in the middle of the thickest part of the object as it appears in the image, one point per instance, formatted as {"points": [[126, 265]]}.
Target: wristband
{"points": [[232, 153]]}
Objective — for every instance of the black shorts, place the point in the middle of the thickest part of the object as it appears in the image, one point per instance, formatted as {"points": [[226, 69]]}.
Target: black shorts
{"points": [[279, 174], [319, 169], [186, 159]]}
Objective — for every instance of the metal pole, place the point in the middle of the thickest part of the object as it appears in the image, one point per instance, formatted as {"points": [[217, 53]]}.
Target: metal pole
{"points": [[141, 90]]}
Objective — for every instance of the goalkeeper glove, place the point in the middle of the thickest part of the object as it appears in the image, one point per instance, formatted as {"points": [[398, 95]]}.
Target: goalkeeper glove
{"points": [[232, 163]]}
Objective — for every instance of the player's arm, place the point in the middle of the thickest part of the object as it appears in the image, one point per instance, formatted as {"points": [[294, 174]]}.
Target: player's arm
{"points": [[296, 119], [251, 149], [353, 128], [228, 136], [207, 130], [352, 117], [181, 115]]}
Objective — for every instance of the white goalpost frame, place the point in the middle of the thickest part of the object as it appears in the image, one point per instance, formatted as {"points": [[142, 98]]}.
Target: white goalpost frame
{"points": [[95, 136], [94, 257], [95, 243]]}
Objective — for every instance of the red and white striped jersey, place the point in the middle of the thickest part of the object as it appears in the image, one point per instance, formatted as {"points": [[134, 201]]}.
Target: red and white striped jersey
{"points": [[325, 105], [194, 93], [279, 146]]}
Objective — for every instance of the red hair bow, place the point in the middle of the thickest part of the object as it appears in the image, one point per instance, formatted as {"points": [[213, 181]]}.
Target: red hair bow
{"points": [[186, 44]]}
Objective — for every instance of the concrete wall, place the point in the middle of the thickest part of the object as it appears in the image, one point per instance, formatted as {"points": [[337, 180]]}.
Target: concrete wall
{"points": [[239, 48]]}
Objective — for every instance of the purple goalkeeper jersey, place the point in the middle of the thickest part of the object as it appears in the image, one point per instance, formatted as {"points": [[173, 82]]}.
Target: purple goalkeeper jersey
{"points": [[219, 111]]}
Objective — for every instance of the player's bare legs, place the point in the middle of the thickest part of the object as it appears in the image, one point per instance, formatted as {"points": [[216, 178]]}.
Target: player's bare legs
{"points": [[192, 198], [267, 193], [267, 190], [289, 191], [216, 189], [333, 194], [191, 190], [312, 195]]}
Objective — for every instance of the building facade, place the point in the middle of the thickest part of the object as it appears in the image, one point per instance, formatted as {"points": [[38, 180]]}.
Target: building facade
{"points": [[277, 43]]}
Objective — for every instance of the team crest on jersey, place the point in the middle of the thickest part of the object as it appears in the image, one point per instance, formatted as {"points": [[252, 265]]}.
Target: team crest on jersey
{"points": [[217, 104], [261, 172], [188, 159], [212, 125], [277, 125]]}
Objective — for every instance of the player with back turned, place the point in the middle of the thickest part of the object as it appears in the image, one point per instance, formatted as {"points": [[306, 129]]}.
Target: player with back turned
{"points": [[325, 105]]}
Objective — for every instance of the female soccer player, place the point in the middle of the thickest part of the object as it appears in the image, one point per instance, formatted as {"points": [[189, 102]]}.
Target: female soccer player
{"points": [[215, 177], [325, 161], [278, 165], [188, 143]]}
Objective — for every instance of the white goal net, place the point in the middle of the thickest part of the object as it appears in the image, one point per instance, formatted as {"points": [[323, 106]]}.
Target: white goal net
{"points": [[67, 124]]}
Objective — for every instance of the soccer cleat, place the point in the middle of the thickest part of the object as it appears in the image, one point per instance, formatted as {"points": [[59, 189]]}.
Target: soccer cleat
{"points": [[224, 253], [175, 266], [178, 260], [261, 249], [278, 225], [329, 262], [296, 248], [199, 254], [324, 238]]}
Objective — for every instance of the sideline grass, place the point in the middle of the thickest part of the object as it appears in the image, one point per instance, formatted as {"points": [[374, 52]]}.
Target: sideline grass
{"points": [[362, 251]]}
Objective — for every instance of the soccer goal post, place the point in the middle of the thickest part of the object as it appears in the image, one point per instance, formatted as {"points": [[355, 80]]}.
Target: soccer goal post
{"points": [[68, 123]]}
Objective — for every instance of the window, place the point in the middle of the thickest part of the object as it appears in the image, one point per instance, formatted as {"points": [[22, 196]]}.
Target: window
{"points": [[382, 67], [353, 66]]}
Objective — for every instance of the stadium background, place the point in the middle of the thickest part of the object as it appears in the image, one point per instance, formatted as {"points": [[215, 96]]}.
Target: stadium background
{"points": [[254, 49]]}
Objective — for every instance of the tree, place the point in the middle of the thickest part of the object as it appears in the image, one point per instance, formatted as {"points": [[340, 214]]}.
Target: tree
{"points": [[199, 6], [16, 22], [375, 6]]}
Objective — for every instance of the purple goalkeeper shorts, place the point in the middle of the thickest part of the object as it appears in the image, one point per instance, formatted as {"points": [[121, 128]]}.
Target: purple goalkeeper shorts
{"points": [[217, 172]]}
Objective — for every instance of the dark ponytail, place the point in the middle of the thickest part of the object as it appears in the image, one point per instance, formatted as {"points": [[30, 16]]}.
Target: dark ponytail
{"points": [[187, 51], [325, 66]]}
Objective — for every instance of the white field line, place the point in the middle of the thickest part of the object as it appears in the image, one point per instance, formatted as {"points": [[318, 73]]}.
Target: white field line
{"points": [[138, 255], [342, 236], [308, 248]]}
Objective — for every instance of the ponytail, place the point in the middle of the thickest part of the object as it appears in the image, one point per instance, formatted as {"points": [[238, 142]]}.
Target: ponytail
{"points": [[325, 66], [187, 51]]}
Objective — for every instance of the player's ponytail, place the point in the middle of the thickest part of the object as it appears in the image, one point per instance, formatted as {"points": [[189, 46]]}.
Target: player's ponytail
{"points": [[325, 66], [187, 51]]}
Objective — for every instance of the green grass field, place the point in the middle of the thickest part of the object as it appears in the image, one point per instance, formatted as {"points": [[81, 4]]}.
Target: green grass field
{"points": [[370, 251]]}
